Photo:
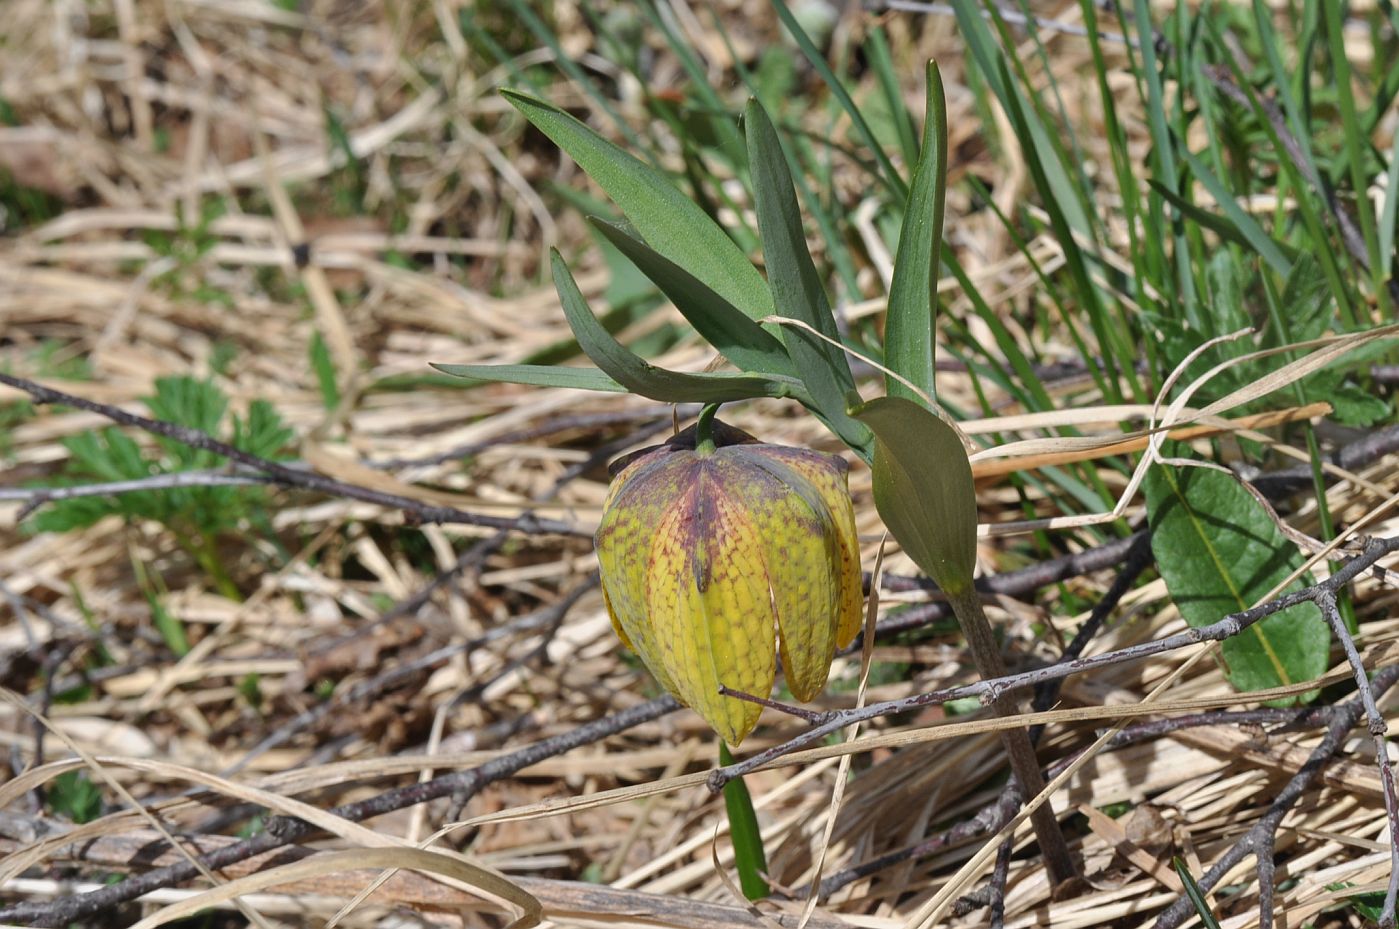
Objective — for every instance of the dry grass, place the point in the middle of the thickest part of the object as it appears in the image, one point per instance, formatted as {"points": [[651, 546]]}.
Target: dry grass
{"points": [[132, 113]]}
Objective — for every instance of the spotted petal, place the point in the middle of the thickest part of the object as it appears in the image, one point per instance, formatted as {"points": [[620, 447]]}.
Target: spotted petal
{"points": [[800, 558], [827, 474], [710, 605], [638, 500]]}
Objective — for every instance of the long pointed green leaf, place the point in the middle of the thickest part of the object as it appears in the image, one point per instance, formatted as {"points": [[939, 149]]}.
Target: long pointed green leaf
{"points": [[796, 289], [642, 377], [738, 338], [669, 221], [535, 376], [923, 488], [908, 332]]}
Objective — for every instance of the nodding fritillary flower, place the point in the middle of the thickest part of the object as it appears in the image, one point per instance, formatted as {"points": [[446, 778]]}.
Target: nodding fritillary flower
{"points": [[719, 554]]}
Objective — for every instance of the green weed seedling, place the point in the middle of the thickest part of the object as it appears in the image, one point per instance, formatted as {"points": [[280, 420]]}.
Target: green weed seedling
{"points": [[196, 516]]}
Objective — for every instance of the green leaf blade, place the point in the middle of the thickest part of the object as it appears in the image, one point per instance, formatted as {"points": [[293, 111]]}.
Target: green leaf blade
{"points": [[645, 379], [667, 220], [908, 334], [923, 489], [1220, 553], [737, 337], [534, 376], [797, 292], [750, 859]]}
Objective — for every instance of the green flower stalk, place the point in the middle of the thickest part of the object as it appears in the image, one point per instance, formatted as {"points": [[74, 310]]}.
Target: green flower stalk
{"points": [[717, 553]]}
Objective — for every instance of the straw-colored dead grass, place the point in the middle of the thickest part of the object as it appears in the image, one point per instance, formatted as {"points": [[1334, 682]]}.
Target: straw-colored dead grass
{"points": [[133, 113]]}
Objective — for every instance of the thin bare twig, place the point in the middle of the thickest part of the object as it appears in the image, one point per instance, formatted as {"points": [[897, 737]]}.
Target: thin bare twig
{"points": [[1231, 625], [35, 497], [1259, 839], [1374, 720]]}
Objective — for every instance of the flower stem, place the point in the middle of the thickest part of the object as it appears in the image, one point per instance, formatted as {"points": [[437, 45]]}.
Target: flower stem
{"points": [[987, 656], [704, 430], [747, 839]]}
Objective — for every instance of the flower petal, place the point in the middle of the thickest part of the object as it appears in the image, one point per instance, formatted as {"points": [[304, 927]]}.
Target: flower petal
{"points": [[800, 561], [711, 607], [828, 475], [639, 499]]}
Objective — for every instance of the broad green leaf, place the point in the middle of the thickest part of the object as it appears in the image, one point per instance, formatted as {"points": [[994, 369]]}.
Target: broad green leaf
{"points": [[535, 376], [796, 289], [923, 488], [908, 333], [669, 221], [1220, 553], [739, 339], [645, 379]]}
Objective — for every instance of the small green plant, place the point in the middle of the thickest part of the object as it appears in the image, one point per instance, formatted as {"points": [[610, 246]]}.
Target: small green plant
{"points": [[74, 795], [781, 335], [1195, 894], [196, 516], [184, 249]]}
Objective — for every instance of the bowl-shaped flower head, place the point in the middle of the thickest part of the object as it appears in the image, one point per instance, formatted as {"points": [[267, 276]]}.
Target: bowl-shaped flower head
{"points": [[715, 559]]}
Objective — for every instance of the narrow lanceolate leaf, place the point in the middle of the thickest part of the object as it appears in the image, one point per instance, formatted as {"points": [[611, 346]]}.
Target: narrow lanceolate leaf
{"points": [[908, 334], [643, 378], [797, 291], [923, 489], [669, 221], [739, 339], [535, 376], [1219, 552]]}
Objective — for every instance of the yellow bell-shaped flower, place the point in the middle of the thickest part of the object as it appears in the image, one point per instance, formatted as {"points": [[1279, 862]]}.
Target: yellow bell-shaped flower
{"points": [[716, 558]]}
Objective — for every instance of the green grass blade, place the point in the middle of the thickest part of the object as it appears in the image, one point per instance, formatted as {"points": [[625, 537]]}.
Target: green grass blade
{"points": [[838, 91], [667, 220], [1390, 212], [1357, 145], [1217, 224], [1259, 241], [1110, 345], [546, 36], [882, 64], [908, 334], [1195, 894], [1163, 148]]}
